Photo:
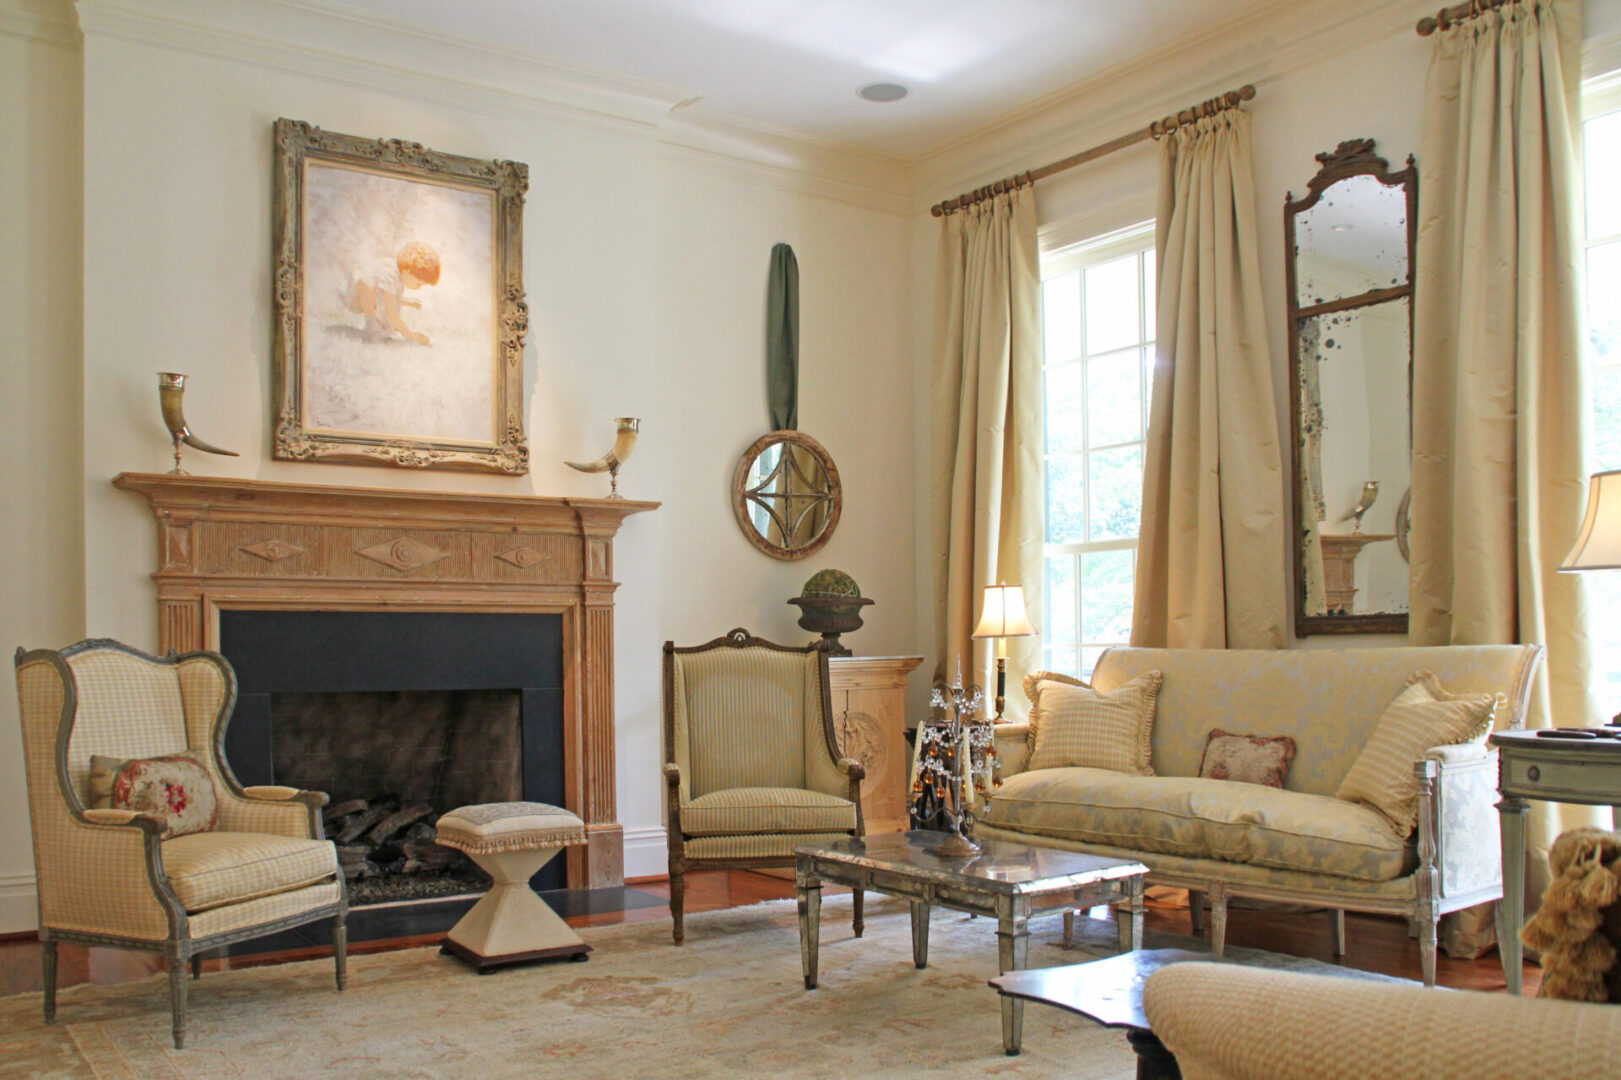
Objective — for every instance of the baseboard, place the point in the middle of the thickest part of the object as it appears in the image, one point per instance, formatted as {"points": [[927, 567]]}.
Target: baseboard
{"points": [[646, 853], [19, 904]]}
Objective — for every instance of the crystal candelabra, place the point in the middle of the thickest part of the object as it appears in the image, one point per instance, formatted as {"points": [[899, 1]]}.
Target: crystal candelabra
{"points": [[946, 746]]}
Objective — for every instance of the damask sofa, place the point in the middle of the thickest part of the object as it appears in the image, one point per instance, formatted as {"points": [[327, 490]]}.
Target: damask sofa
{"points": [[1224, 839]]}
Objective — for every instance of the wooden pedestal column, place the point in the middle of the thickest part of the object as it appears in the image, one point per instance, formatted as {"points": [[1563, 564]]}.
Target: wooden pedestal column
{"points": [[869, 718]]}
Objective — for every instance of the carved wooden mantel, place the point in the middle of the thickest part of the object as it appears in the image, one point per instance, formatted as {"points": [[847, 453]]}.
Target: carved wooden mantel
{"points": [[249, 544]]}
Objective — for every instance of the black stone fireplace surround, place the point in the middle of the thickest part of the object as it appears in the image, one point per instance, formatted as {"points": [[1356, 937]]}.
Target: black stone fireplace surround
{"points": [[290, 664]]}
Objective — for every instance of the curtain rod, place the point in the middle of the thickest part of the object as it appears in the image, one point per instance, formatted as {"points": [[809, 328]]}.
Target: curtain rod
{"points": [[1214, 105], [1443, 19]]}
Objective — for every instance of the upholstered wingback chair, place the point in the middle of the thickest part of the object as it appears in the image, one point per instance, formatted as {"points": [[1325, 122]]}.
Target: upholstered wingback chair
{"points": [[113, 877], [752, 767]]}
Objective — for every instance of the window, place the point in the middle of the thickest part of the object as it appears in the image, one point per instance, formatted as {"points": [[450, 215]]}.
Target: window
{"points": [[1602, 139], [1098, 325]]}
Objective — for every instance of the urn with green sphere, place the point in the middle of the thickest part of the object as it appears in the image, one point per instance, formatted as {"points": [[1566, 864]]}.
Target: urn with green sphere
{"points": [[830, 605]]}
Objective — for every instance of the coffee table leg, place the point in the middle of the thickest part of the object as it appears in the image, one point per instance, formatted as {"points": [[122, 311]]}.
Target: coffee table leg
{"points": [[1012, 1026], [1129, 923], [810, 923], [920, 933], [1013, 946]]}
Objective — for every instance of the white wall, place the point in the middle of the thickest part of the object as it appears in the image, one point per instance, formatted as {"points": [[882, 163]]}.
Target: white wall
{"points": [[41, 583], [646, 240]]}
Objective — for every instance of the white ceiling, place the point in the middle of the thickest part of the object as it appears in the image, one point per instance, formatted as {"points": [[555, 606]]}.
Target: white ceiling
{"points": [[796, 64]]}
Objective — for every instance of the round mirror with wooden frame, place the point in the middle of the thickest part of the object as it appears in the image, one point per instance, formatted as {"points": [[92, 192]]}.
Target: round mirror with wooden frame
{"points": [[786, 494]]}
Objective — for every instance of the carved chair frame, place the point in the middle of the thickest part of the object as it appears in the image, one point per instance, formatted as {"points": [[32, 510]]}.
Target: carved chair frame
{"points": [[180, 949], [680, 862]]}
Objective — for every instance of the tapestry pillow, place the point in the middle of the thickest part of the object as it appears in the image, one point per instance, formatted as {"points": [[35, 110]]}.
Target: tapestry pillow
{"points": [[175, 788], [1071, 724], [1421, 716], [1248, 759]]}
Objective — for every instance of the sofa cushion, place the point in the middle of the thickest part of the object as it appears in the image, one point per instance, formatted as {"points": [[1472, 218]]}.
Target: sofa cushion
{"points": [[747, 811], [213, 868], [1423, 715], [1072, 724], [1198, 818], [1247, 759]]}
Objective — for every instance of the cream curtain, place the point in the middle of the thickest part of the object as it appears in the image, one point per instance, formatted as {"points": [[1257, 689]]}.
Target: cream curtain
{"points": [[988, 444], [1499, 455], [1211, 558]]}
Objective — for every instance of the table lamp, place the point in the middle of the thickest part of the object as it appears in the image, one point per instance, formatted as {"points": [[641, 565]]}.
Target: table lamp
{"points": [[1598, 544], [1002, 617]]}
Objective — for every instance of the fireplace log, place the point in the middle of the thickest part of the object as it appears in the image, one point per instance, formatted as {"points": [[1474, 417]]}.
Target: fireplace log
{"points": [[352, 853], [361, 822], [398, 820], [344, 809]]}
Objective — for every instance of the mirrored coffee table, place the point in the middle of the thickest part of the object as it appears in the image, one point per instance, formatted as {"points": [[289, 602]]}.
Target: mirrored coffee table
{"points": [[1011, 882]]}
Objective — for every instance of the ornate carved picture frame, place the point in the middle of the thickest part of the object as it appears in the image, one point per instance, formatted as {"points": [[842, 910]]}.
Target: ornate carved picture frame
{"points": [[400, 313]]}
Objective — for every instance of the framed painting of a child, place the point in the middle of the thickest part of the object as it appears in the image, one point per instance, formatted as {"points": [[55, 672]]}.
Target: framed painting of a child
{"points": [[400, 311]]}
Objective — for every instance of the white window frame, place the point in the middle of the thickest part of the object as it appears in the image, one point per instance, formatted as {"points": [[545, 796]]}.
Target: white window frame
{"points": [[1076, 258], [1601, 96]]}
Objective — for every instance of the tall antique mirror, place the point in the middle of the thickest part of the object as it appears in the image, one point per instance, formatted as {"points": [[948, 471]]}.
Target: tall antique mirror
{"points": [[1349, 248]]}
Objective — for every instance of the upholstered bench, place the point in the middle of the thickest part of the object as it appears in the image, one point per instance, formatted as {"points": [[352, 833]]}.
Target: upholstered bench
{"points": [[511, 841]]}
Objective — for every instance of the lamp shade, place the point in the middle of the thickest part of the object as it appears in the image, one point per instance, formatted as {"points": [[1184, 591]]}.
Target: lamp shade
{"points": [[1598, 545], [1003, 614]]}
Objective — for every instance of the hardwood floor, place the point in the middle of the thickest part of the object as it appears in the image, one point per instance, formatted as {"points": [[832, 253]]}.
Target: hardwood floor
{"points": [[1373, 943]]}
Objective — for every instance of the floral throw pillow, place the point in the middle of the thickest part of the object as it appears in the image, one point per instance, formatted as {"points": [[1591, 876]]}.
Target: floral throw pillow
{"points": [[1249, 759], [176, 788]]}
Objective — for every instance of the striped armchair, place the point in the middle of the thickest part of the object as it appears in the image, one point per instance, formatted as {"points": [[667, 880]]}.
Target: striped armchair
{"points": [[752, 767], [111, 877]]}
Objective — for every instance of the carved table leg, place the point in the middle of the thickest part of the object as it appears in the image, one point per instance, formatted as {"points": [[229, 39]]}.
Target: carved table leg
{"points": [[810, 923], [1013, 946], [1512, 811], [920, 933], [1129, 921]]}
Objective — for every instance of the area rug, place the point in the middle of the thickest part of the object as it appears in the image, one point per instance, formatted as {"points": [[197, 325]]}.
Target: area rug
{"points": [[729, 1003]]}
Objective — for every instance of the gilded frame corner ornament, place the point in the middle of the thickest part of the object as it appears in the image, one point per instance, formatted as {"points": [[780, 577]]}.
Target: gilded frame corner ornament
{"points": [[295, 438]]}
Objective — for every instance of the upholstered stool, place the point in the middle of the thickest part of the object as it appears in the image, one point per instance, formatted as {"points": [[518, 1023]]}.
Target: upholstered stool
{"points": [[511, 841]]}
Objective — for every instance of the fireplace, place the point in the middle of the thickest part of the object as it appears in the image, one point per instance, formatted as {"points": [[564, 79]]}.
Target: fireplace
{"points": [[250, 548], [400, 717]]}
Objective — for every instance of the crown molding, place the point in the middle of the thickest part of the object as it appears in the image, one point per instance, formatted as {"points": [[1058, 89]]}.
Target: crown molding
{"points": [[1601, 59], [785, 160], [328, 41], [47, 22], [1264, 46]]}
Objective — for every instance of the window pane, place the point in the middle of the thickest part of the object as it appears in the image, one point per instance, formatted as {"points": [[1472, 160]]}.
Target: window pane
{"points": [[1066, 499], [1061, 316], [1111, 305], [1112, 387], [1604, 300], [1150, 295], [1106, 583], [1089, 661], [1061, 659], [1603, 154], [1060, 611], [1065, 431], [1117, 492]]}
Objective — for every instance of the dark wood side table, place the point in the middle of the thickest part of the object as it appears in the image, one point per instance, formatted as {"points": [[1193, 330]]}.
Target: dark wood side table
{"points": [[1532, 766], [1109, 991]]}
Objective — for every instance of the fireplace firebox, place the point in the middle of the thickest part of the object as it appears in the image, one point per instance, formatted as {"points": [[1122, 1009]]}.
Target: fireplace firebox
{"points": [[399, 717]]}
